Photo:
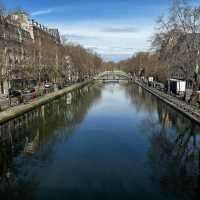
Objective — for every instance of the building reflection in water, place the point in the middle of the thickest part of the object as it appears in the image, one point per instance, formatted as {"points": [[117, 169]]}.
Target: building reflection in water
{"points": [[29, 143], [174, 151], [35, 136]]}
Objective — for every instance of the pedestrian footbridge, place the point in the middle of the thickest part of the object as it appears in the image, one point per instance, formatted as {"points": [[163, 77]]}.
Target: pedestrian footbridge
{"points": [[113, 76]]}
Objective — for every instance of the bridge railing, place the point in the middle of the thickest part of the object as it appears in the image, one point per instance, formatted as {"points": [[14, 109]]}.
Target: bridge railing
{"points": [[113, 75]]}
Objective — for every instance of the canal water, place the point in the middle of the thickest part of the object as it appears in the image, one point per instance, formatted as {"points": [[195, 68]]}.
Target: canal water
{"points": [[106, 141]]}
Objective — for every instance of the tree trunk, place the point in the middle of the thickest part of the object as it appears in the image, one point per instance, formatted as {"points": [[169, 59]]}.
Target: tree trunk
{"points": [[168, 85], [1, 85]]}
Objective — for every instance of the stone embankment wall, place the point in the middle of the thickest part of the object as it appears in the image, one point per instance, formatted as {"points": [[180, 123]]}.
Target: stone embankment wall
{"points": [[17, 111], [190, 111]]}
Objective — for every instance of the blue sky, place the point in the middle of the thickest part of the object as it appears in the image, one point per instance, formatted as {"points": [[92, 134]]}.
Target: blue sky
{"points": [[115, 29]]}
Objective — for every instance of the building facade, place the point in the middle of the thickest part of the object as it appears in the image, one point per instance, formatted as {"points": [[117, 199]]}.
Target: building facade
{"points": [[29, 53]]}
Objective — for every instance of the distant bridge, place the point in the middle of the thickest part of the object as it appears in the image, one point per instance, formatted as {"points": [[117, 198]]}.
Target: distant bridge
{"points": [[115, 75]]}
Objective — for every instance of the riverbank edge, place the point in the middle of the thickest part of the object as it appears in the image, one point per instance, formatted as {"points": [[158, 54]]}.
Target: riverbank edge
{"points": [[19, 110], [188, 114]]}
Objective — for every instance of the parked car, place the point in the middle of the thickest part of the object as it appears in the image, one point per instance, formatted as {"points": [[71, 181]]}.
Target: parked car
{"points": [[60, 86], [48, 85], [27, 95], [14, 93]]}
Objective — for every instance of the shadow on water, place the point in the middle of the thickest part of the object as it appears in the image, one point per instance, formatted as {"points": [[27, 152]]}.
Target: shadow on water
{"points": [[174, 146], [33, 137]]}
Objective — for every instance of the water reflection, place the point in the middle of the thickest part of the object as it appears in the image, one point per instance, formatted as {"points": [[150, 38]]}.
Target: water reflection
{"points": [[101, 142], [35, 136], [174, 151]]}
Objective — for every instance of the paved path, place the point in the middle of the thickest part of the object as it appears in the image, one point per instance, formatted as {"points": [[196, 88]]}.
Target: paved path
{"points": [[190, 111], [19, 110]]}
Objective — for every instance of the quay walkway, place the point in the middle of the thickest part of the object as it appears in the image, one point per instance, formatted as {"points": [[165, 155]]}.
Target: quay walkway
{"points": [[192, 112], [21, 109]]}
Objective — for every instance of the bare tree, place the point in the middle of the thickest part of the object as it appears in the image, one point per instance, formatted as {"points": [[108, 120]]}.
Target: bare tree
{"points": [[178, 39]]}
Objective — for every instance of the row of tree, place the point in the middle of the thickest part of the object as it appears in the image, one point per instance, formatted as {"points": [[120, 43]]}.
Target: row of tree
{"points": [[38, 53], [175, 46], [84, 62], [143, 64]]}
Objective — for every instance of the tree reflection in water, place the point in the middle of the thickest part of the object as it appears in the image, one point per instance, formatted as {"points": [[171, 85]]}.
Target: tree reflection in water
{"points": [[34, 141], [171, 143], [174, 152]]}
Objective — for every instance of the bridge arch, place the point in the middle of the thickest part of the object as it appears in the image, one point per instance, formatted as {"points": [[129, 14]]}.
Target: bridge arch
{"points": [[113, 75]]}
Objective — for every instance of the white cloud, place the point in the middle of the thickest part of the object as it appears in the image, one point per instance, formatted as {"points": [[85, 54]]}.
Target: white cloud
{"points": [[113, 45], [120, 30], [56, 9], [42, 12]]}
